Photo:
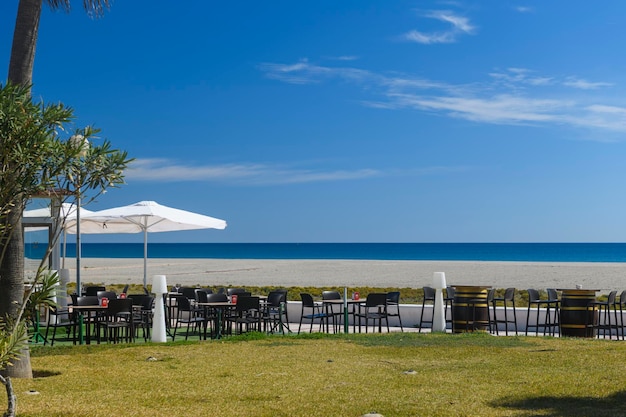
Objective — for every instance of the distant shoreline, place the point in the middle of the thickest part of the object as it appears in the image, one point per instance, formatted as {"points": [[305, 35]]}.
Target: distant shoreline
{"points": [[353, 273]]}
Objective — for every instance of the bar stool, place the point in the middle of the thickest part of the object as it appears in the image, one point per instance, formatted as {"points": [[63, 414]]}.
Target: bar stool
{"points": [[448, 302], [509, 297], [552, 302], [603, 322], [429, 296]]}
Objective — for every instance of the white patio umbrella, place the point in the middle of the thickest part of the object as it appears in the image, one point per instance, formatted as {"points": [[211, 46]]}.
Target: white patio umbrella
{"points": [[67, 212], [145, 216]]}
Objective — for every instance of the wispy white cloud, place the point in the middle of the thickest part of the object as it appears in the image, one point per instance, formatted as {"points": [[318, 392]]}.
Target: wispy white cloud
{"points": [[250, 174], [524, 9], [511, 96], [457, 25], [165, 170], [584, 84]]}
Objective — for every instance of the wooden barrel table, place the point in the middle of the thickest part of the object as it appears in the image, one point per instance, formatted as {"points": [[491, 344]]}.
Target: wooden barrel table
{"points": [[470, 309], [577, 316]]}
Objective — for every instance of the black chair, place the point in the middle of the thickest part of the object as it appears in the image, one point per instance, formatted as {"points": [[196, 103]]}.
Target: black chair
{"points": [[620, 320], [275, 312], [429, 297], [187, 314], [551, 307], [109, 295], [237, 291], [218, 316], [60, 318], [312, 311], [246, 315], [505, 300], [116, 321], [189, 292], [606, 309], [393, 306], [375, 308], [334, 311], [93, 290], [449, 302], [142, 313]]}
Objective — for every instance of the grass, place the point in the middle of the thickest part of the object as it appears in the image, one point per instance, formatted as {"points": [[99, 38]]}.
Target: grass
{"points": [[397, 374]]}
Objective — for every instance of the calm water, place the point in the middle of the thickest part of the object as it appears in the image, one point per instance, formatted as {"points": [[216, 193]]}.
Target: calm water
{"points": [[531, 252]]}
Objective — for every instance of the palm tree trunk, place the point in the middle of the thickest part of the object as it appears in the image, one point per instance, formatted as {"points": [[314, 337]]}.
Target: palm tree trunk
{"points": [[24, 42]]}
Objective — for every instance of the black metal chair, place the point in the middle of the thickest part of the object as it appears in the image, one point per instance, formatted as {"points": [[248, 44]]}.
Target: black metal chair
{"points": [[620, 319], [375, 308], [551, 307], [393, 306], [187, 314], [275, 312], [429, 297], [246, 315], [116, 321], [142, 313], [312, 311], [505, 300], [63, 319], [605, 310], [334, 311], [448, 303]]}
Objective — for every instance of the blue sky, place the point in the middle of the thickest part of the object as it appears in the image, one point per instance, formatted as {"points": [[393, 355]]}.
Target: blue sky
{"points": [[354, 121]]}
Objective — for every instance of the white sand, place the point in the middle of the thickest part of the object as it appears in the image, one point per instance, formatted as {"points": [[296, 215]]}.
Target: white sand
{"points": [[331, 273]]}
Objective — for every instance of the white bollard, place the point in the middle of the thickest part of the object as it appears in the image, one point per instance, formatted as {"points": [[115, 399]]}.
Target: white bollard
{"points": [[439, 312], [159, 287]]}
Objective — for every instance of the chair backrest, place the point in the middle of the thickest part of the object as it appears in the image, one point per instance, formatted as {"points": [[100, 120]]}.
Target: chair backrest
{"points": [[393, 297], [216, 298], [622, 297], [138, 299], [509, 294], [376, 299], [450, 292], [119, 305], [93, 290], [245, 304], [552, 294], [533, 295], [106, 294], [208, 290], [188, 292], [429, 293], [307, 300], [237, 291], [611, 298], [182, 302], [331, 295], [275, 298], [490, 294], [87, 300], [201, 296]]}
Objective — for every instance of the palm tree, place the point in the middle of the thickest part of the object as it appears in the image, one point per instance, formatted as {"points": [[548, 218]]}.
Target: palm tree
{"points": [[21, 73]]}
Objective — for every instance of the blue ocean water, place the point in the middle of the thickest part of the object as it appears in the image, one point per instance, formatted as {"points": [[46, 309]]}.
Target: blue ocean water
{"points": [[529, 252]]}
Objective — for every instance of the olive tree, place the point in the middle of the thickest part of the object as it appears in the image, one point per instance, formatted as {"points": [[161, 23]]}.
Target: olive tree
{"points": [[40, 155]]}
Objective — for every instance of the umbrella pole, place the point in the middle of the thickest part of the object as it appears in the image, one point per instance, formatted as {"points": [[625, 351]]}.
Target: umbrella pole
{"points": [[145, 256]]}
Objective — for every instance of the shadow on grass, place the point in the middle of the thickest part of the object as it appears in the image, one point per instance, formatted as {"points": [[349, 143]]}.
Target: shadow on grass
{"points": [[610, 406], [44, 374]]}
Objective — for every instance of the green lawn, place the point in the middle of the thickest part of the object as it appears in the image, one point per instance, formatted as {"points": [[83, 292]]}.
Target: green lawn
{"points": [[331, 375]]}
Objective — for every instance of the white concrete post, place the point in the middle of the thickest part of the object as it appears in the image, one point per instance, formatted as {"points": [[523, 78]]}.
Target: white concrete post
{"points": [[439, 312], [159, 287]]}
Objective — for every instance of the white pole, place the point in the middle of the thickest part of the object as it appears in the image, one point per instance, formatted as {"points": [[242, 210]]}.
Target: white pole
{"points": [[159, 287], [439, 312], [145, 256]]}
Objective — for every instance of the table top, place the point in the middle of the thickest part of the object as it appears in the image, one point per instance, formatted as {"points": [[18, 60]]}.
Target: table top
{"points": [[341, 301], [93, 307], [580, 290], [217, 304]]}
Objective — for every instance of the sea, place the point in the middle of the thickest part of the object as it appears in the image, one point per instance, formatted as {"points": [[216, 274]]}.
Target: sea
{"points": [[514, 252]]}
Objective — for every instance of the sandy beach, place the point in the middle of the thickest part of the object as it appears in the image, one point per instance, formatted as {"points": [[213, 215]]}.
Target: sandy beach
{"points": [[339, 273]]}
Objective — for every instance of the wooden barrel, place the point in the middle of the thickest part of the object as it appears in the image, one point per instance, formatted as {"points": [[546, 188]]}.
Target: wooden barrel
{"points": [[577, 317], [470, 309]]}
